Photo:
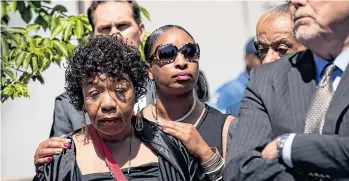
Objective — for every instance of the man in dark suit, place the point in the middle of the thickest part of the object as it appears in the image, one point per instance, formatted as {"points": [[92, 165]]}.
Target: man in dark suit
{"points": [[294, 117], [105, 17], [274, 38]]}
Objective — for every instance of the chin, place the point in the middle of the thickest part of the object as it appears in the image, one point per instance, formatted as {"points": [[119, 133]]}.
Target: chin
{"points": [[306, 34], [113, 130]]}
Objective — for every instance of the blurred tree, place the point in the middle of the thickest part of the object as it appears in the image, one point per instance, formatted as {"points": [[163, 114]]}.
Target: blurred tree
{"points": [[25, 55]]}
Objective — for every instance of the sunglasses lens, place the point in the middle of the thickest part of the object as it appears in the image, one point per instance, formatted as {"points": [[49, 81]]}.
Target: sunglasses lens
{"points": [[167, 53], [190, 51]]}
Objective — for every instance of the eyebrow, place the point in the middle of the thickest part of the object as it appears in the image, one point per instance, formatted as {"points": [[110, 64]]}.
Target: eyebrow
{"points": [[258, 43], [106, 25], [113, 23]]}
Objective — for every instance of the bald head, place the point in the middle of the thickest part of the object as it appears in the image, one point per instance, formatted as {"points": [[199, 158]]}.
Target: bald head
{"points": [[275, 30]]}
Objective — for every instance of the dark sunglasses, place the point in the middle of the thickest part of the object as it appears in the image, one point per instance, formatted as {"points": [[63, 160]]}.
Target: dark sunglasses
{"points": [[167, 53]]}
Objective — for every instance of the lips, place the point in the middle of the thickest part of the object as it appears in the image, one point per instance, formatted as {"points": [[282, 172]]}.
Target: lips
{"points": [[183, 76], [109, 121]]}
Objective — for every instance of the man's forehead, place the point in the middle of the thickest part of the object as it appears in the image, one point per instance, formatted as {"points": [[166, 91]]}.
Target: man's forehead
{"points": [[113, 12], [272, 27], [276, 36]]}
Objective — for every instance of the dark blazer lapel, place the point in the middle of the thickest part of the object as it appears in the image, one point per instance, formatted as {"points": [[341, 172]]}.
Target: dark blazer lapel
{"points": [[302, 85], [340, 101]]}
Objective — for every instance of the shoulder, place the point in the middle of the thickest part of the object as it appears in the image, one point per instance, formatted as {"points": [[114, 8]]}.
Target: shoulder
{"points": [[280, 66], [60, 166], [275, 72], [62, 97], [219, 116]]}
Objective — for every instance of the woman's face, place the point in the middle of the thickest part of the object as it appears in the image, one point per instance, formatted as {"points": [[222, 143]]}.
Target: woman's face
{"points": [[109, 102], [181, 75]]}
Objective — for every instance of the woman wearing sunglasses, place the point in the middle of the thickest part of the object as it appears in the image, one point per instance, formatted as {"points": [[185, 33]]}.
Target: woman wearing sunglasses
{"points": [[173, 57], [105, 79]]}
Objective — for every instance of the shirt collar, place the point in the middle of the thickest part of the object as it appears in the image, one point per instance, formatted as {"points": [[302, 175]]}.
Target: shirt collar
{"points": [[341, 61]]}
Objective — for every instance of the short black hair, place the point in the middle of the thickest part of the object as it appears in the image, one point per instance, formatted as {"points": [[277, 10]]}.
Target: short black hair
{"points": [[91, 11], [155, 34], [107, 54]]}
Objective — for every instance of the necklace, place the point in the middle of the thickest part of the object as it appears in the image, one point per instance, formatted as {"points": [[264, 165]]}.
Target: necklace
{"points": [[155, 112], [129, 156]]}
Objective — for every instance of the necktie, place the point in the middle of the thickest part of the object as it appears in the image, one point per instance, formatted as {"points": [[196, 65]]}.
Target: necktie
{"points": [[320, 102]]}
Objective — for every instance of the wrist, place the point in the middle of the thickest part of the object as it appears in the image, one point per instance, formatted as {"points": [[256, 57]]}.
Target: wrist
{"points": [[213, 168], [206, 154], [280, 144]]}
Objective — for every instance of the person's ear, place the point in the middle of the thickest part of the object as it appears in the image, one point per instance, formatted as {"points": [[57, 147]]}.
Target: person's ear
{"points": [[141, 31]]}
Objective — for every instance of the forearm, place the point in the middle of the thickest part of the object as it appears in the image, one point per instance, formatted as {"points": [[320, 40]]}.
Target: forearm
{"points": [[250, 166], [321, 153]]}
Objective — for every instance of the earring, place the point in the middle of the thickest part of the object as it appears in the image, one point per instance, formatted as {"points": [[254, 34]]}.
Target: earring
{"points": [[153, 89], [139, 125], [205, 92], [84, 126], [83, 121]]}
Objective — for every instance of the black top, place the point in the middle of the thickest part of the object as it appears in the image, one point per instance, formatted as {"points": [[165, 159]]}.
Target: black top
{"points": [[210, 127], [146, 172], [175, 163]]}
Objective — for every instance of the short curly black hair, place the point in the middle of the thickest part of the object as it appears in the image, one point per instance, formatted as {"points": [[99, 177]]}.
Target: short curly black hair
{"points": [[107, 54]]}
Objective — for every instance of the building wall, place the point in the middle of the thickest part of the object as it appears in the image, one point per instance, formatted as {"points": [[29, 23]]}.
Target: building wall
{"points": [[221, 29]]}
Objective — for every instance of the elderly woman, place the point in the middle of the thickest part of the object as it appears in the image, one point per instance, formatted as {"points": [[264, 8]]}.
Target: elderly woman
{"points": [[105, 79]]}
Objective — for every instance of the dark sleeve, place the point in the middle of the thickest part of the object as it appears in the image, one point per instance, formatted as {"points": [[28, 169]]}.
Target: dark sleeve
{"points": [[46, 172], [61, 123], [327, 154], [252, 133]]}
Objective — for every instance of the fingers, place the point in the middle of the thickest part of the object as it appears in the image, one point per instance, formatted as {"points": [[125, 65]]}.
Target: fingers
{"points": [[43, 161], [51, 146], [56, 142], [172, 124], [181, 131], [49, 152], [173, 132], [59, 139]]}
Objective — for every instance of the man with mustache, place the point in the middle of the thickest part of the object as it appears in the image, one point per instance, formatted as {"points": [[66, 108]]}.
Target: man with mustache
{"points": [[275, 36], [294, 117]]}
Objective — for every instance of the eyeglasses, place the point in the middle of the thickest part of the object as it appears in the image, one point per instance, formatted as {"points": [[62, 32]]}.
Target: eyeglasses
{"points": [[280, 47], [167, 53]]}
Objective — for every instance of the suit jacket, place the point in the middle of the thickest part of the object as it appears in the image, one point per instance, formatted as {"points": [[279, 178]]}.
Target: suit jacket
{"points": [[276, 101], [67, 119]]}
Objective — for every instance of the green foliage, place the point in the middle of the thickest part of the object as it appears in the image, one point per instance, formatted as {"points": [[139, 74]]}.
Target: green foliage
{"points": [[25, 54]]}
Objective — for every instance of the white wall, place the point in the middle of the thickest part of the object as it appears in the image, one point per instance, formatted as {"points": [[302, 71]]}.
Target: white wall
{"points": [[221, 28]]}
